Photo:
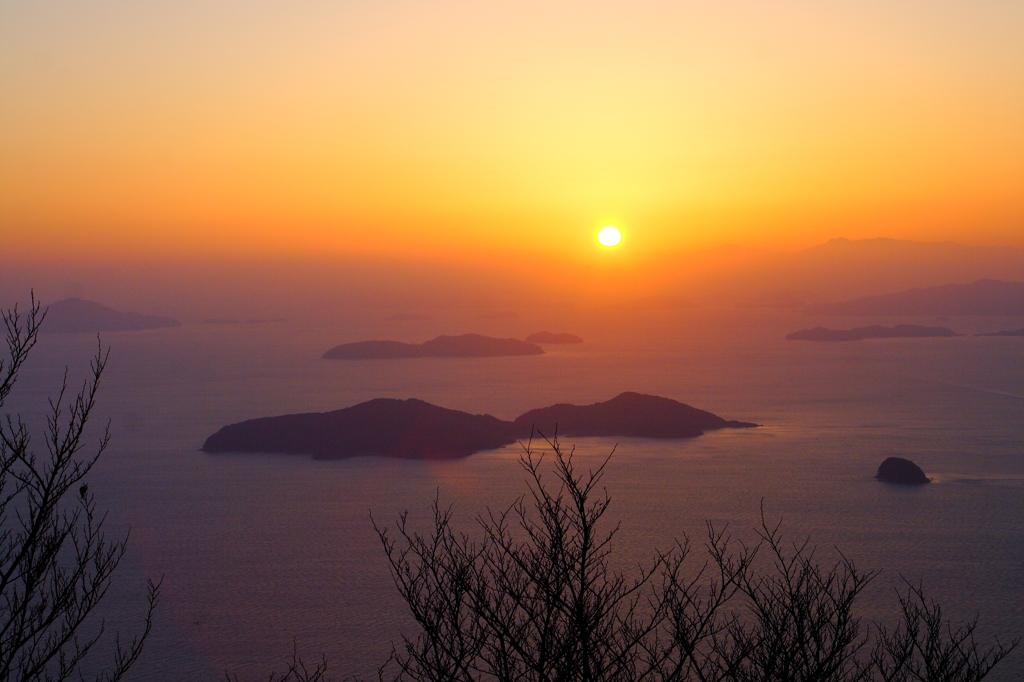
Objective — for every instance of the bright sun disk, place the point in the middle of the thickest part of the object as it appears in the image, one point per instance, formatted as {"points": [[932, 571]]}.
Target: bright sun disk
{"points": [[609, 236]]}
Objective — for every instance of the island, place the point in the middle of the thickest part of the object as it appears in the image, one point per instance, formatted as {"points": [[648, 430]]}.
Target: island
{"points": [[983, 297], [902, 471], [76, 315], [464, 346], [414, 429], [254, 320], [900, 331], [627, 414], [548, 337], [407, 317], [1013, 332], [384, 427]]}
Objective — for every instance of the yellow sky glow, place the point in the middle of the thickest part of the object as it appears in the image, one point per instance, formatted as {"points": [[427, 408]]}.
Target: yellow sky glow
{"points": [[484, 129]]}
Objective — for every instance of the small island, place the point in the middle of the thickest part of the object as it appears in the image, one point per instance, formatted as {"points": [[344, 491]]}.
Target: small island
{"points": [[549, 337], [902, 471], [385, 427], [76, 315], [413, 429], [627, 414], [900, 331], [1012, 332], [253, 320], [464, 346], [407, 317]]}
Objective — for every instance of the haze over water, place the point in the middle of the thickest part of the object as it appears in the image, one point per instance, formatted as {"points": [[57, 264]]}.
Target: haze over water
{"points": [[335, 163], [260, 549]]}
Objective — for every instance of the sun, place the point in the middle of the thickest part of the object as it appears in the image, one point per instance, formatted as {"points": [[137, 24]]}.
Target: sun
{"points": [[609, 236]]}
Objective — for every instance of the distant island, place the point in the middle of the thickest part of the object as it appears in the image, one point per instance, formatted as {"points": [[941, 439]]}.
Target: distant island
{"points": [[902, 471], [900, 331], [407, 317], [464, 346], [413, 429], [1015, 332], [627, 414], [76, 315], [254, 320], [983, 297], [408, 429], [548, 337]]}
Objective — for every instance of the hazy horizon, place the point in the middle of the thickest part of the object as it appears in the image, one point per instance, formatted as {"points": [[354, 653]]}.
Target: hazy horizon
{"points": [[766, 222], [328, 287]]}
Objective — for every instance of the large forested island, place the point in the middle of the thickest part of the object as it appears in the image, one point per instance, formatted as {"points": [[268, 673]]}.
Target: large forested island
{"points": [[627, 414], [900, 331], [413, 429], [385, 427], [463, 346]]}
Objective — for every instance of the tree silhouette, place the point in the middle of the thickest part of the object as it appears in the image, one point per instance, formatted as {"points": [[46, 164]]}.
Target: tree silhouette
{"points": [[56, 561], [534, 598]]}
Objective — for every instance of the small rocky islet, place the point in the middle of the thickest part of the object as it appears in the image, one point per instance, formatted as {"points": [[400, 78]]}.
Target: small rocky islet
{"points": [[901, 471], [414, 429]]}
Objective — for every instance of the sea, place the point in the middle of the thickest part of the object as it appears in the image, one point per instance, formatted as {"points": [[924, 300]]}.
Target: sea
{"points": [[263, 555]]}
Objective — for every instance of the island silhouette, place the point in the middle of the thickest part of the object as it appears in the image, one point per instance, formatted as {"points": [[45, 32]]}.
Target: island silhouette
{"points": [[414, 429], [627, 414], [407, 317], [900, 331], [1011, 332], [982, 297], [384, 427], [464, 346], [252, 320], [549, 337], [76, 315], [902, 471]]}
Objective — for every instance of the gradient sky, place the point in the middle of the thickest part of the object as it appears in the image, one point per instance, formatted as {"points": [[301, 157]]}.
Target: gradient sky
{"points": [[478, 130]]}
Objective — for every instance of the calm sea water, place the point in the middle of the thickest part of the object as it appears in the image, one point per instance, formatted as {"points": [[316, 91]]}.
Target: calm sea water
{"points": [[260, 551]]}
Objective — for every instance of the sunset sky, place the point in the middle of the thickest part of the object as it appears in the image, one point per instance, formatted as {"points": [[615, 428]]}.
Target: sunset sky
{"points": [[479, 130]]}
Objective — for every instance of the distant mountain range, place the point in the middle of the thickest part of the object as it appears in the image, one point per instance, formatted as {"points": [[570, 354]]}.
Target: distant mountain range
{"points": [[984, 297], [78, 315], [401, 291], [838, 270]]}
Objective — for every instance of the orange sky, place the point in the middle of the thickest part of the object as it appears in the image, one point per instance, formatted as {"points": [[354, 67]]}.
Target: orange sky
{"points": [[477, 130]]}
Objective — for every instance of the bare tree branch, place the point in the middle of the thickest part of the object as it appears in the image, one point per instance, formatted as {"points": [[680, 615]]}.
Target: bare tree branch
{"points": [[56, 560]]}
